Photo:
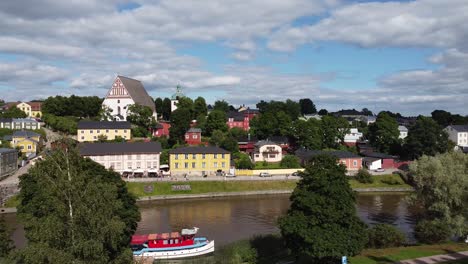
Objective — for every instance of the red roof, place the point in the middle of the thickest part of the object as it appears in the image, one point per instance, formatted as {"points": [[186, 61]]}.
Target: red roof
{"points": [[35, 106]]}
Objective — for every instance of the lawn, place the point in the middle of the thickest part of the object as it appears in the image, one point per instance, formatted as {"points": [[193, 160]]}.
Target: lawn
{"points": [[199, 187], [392, 255], [389, 180], [267, 166]]}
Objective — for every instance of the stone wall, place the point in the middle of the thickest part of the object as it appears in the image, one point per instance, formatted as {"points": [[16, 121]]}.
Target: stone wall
{"points": [[7, 191]]}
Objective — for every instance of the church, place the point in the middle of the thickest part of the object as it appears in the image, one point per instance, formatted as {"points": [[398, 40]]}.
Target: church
{"points": [[123, 93]]}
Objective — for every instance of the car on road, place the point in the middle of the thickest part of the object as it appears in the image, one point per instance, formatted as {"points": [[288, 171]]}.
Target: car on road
{"points": [[380, 170], [229, 175], [264, 174], [296, 173]]}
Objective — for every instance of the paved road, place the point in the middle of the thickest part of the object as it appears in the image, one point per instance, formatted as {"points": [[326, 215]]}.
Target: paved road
{"points": [[51, 136], [215, 178], [14, 179], [436, 258]]}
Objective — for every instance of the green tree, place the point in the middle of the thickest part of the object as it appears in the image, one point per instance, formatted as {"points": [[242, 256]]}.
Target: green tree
{"points": [[384, 133], [384, 236], [230, 144], [290, 162], [321, 223], [333, 131], [217, 138], [141, 116], [426, 137], [237, 132], [199, 107], [180, 123], [216, 121], [323, 112], [13, 112], [264, 125], [102, 138], [166, 109], [158, 103], [222, 106], [363, 176], [307, 106], [105, 113], [6, 244], [307, 134], [441, 187], [75, 211], [244, 162], [442, 117]]}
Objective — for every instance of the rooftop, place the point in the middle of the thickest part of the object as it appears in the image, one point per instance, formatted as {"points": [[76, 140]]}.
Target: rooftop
{"points": [[103, 125], [194, 130], [403, 128], [137, 91], [460, 128], [199, 150], [99, 149], [378, 155], [26, 134], [6, 150]]}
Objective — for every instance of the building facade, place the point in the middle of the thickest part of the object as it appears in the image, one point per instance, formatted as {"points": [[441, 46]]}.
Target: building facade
{"points": [[89, 131], [199, 161], [123, 93], [458, 134], [19, 123], [27, 141], [32, 109], [403, 132], [8, 162], [267, 151], [193, 136], [140, 158], [352, 161], [351, 138], [161, 129]]}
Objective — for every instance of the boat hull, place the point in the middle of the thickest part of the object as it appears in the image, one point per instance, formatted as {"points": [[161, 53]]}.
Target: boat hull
{"points": [[181, 253]]}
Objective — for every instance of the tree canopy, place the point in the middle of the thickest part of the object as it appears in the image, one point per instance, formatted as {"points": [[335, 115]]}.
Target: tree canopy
{"points": [[426, 137], [75, 211], [307, 106], [141, 116], [13, 112], [180, 123], [384, 133], [216, 121], [321, 223], [78, 106], [221, 105]]}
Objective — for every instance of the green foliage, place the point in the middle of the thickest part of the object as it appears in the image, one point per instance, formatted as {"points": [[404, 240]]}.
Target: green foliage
{"points": [[264, 125], [75, 211], [217, 137], [323, 112], [384, 236], [384, 133], [66, 125], [78, 106], [222, 106], [158, 104], [180, 123], [426, 137], [166, 109], [432, 231], [322, 223], [118, 139], [164, 158], [333, 130], [199, 107], [230, 144], [291, 108], [444, 118], [307, 134], [243, 161], [216, 121], [441, 187], [363, 176], [141, 116], [237, 132], [6, 244], [105, 113], [390, 180], [307, 106], [13, 112], [290, 162]]}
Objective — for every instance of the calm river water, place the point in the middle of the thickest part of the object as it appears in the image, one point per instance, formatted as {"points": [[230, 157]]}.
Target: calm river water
{"points": [[229, 219]]}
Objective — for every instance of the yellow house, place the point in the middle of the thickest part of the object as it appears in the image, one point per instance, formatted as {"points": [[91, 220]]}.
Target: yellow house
{"points": [[32, 109], [88, 131], [27, 141], [199, 160]]}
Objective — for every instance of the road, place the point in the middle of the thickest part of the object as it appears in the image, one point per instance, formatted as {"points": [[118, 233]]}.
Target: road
{"points": [[216, 178]]}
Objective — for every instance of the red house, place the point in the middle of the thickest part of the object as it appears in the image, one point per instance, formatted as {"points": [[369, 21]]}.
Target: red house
{"points": [[241, 119], [352, 161], [193, 136], [161, 129]]}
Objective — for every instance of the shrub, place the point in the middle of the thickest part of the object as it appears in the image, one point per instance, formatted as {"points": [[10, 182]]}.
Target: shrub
{"points": [[289, 162], [390, 180], [432, 232], [363, 176], [385, 235]]}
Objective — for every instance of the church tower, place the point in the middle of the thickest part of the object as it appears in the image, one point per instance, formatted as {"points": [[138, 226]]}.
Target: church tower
{"points": [[175, 98]]}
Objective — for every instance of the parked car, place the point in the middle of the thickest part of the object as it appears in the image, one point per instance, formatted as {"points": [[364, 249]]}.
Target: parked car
{"points": [[380, 170], [265, 174], [230, 175], [296, 173]]}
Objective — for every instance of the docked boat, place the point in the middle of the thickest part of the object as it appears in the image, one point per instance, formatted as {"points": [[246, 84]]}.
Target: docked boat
{"points": [[171, 245]]}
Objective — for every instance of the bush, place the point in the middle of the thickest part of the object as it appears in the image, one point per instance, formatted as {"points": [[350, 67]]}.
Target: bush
{"points": [[390, 180], [363, 176], [432, 232], [385, 235], [290, 162]]}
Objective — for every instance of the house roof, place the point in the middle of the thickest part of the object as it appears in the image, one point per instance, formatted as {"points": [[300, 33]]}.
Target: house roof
{"points": [[5, 120], [279, 139], [8, 137], [369, 159], [26, 134], [137, 92], [194, 130], [307, 154], [35, 106], [199, 150], [246, 139], [265, 142], [103, 125], [24, 120], [98, 149], [403, 128], [460, 128], [237, 116], [378, 155], [7, 150]]}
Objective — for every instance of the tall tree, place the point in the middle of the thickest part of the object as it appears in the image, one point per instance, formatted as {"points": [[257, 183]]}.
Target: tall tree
{"points": [[323, 112], [216, 121], [75, 211], [13, 112], [384, 133], [264, 125], [366, 112], [199, 107], [158, 103], [142, 117], [307, 106], [166, 109], [307, 134], [180, 123], [333, 131], [321, 223], [426, 137], [221, 106], [441, 187], [6, 244]]}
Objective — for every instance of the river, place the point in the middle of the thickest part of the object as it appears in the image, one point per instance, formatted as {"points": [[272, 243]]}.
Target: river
{"points": [[229, 219]]}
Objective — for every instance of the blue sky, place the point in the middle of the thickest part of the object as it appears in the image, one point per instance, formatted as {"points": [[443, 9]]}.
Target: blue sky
{"points": [[403, 56]]}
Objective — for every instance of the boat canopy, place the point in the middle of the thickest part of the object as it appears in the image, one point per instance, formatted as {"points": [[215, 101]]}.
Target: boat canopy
{"points": [[139, 239], [189, 231], [164, 236]]}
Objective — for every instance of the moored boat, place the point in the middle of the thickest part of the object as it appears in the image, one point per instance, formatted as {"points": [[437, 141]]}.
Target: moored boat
{"points": [[171, 245]]}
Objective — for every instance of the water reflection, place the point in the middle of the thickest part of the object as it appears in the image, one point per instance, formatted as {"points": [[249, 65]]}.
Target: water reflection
{"points": [[230, 219]]}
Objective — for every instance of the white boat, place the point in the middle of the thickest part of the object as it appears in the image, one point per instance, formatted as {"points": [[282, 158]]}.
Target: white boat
{"points": [[182, 253]]}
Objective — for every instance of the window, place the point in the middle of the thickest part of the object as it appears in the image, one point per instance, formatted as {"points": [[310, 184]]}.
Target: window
{"points": [[176, 156], [194, 156], [97, 131], [165, 242], [125, 130], [176, 165], [203, 164], [90, 131], [148, 165], [193, 165], [82, 131], [107, 130], [129, 165], [118, 101], [129, 157], [222, 156], [138, 156], [94, 137], [215, 164], [186, 156], [355, 163], [272, 156], [115, 131], [29, 147], [223, 165], [186, 136], [203, 156], [215, 156], [138, 165], [195, 136], [186, 165]]}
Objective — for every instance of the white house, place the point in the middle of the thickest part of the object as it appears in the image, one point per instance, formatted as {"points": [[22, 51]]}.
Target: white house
{"points": [[123, 93], [458, 134], [372, 163], [267, 151], [352, 137], [125, 158], [403, 132]]}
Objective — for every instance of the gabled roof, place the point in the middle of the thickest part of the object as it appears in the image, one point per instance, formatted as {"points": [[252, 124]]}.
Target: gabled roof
{"points": [[378, 155], [35, 106], [98, 149], [103, 125], [265, 142], [460, 128], [137, 92], [237, 116], [194, 130], [279, 139], [246, 139], [199, 150], [24, 120], [403, 128], [26, 134], [5, 120]]}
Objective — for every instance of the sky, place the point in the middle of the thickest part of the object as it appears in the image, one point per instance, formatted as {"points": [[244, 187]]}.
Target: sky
{"points": [[404, 56]]}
